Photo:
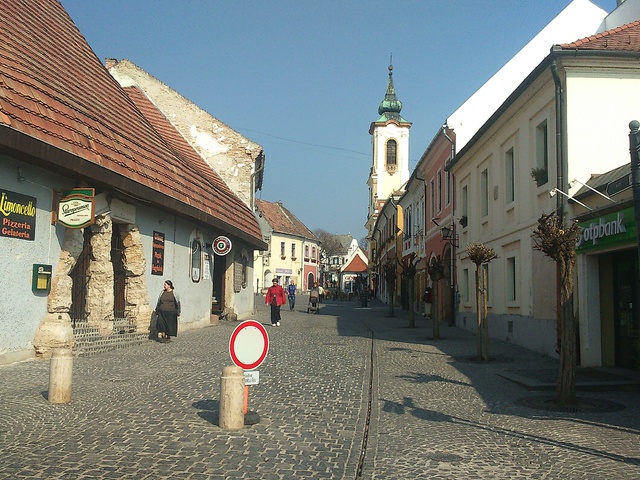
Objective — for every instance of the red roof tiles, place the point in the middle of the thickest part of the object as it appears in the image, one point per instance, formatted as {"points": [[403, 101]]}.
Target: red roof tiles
{"points": [[282, 220], [625, 38], [55, 90]]}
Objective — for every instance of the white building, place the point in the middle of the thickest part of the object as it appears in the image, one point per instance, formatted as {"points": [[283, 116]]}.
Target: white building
{"points": [[567, 120]]}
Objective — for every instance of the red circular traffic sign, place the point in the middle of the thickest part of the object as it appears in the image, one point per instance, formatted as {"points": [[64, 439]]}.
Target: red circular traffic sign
{"points": [[249, 345], [221, 245]]}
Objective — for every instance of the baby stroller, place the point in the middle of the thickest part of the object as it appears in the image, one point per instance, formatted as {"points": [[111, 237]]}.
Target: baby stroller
{"points": [[314, 301]]}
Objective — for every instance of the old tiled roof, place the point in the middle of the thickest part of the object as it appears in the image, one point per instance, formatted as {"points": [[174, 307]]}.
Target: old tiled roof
{"points": [[225, 204], [282, 220], [54, 92], [625, 38], [355, 265]]}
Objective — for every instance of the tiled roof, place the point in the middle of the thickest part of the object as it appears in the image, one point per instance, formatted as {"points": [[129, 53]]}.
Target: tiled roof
{"points": [[625, 38], [282, 220], [54, 89], [355, 265], [195, 172]]}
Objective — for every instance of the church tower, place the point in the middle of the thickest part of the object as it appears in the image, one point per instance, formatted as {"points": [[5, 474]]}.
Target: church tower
{"points": [[390, 148]]}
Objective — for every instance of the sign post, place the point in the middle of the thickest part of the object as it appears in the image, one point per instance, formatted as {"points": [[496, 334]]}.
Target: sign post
{"points": [[248, 347]]}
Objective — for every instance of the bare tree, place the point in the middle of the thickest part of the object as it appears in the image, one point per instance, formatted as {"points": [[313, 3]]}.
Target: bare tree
{"points": [[559, 243], [330, 243], [436, 272], [390, 274], [409, 273], [481, 254]]}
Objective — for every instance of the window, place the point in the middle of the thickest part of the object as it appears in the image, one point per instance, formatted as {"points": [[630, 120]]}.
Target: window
{"points": [[313, 254], [465, 285], [512, 293], [282, 252], [306, 252], [392, 147], [465, 206], [293, 251], [439, 191], [448, 177], [509, 169], [542, 154], [484, 193], [196, 260], [432, 191]]}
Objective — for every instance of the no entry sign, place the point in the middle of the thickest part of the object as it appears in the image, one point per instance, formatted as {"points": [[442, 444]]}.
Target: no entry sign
{"points": [[249, 345]]}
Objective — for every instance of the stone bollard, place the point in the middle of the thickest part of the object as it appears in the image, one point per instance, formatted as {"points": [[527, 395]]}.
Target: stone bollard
{"points": [[60, 375], [232, 398]]}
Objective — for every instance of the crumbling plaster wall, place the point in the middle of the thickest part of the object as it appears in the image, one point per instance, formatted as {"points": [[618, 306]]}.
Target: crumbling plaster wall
{"points": [[229, 153]]}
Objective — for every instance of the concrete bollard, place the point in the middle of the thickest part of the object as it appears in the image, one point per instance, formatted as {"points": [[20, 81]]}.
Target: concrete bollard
{"points": [[232, 398], [60, 375]]}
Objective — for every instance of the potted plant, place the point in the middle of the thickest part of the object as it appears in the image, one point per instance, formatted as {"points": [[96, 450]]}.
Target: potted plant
{"points": [[540, 175]]}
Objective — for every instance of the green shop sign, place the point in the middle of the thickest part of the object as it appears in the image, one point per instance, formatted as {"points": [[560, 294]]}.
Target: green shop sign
{"points": [[611, 230]]}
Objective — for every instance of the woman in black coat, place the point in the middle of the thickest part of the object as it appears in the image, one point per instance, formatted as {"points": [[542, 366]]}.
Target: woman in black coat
{"points": [[168, 311]]}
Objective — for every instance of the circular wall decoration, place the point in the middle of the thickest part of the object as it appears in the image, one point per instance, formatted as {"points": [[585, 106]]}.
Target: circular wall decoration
{"points": [[221, 245]]}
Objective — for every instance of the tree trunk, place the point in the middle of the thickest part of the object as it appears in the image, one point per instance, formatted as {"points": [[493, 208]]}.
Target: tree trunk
{"points": [[411, 286], [479, 314], [485, 314], [566, 386]]}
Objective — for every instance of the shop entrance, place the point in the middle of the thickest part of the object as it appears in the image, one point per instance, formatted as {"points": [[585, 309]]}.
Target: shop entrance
{"points": [[626, 324]]}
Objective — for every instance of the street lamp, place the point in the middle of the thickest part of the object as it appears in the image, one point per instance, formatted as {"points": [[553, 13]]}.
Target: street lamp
{"points": [[450, 236]]}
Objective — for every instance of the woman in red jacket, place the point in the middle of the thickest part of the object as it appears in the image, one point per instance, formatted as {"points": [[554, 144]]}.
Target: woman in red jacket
{"points": [[276, 298]]}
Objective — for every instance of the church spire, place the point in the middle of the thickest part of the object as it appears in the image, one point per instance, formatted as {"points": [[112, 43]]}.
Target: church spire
{"points": [[390, 107]]}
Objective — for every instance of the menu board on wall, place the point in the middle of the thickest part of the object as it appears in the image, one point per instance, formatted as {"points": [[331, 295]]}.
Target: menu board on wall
{"points": [[17, 215], [157, 260]]}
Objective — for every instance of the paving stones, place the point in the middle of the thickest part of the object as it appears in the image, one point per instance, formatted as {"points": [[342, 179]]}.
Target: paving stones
{"points": [[151, 411]]}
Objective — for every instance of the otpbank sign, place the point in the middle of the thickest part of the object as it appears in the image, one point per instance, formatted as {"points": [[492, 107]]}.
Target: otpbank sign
{"points": [[610, 230]]}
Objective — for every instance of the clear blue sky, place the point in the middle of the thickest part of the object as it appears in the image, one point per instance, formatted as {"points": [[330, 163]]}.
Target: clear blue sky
{"points": [[304, 78]]}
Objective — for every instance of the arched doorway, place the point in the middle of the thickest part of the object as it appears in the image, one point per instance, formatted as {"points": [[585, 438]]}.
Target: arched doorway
{"points": [[310, 280]]}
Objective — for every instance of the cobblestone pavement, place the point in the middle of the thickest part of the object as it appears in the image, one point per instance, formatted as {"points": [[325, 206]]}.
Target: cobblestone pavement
{"points": [[151, 411]]}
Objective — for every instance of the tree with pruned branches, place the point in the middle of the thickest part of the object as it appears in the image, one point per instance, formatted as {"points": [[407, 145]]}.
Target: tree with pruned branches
{"points": [[436, 272], [559, 243], [480, 254], [390, 275]]}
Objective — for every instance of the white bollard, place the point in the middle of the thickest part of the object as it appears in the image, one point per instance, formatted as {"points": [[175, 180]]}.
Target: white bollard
{"points": [[232, 398], [60, 375]]}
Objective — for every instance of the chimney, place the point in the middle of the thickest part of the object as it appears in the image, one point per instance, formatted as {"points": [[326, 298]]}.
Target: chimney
{"points": [[110, 62]]}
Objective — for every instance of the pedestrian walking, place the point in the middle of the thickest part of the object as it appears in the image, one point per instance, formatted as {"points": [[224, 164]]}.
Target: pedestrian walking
{"points": [[291, 293], [167, 312], [275, 298]]}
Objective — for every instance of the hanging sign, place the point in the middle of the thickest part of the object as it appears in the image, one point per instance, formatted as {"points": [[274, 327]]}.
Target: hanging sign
{"points": [[221, 245], [157, 260], [17, 215], [76, 208]]}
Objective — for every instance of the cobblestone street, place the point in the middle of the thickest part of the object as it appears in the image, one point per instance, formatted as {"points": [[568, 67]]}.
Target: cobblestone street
{"points": [[348, 393]]}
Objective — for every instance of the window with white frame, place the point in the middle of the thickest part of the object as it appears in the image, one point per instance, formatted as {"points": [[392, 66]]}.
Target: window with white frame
{"points": [[293, 251], [510, 178], [542, 154], [512, 283], [283, 254], [464, 208], [432, 197], [392, 147], [448, 178], [306, 252], [484, 193], [439, 178], [465, 285]]}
